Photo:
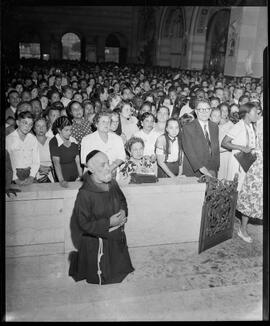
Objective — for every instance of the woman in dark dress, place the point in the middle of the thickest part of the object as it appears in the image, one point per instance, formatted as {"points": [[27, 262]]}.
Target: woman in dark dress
{"points": [[64, 152], [97, 227]]}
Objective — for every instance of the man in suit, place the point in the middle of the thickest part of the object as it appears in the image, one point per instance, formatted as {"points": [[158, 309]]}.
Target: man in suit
{"points": [[13, 100], [200, 143], [174, 108], [57, 86]]}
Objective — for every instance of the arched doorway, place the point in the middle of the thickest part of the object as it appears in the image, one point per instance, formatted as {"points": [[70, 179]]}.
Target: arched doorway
{"points": [[71, 47], [171, 45], [112, 49], [216, 40]]}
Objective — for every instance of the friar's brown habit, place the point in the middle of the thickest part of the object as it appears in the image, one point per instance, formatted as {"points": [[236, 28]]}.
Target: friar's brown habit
{"points": [[102, 256]]}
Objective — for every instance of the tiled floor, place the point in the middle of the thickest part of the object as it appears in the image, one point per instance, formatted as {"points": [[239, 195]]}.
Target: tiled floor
{"points": [[170, 282]]}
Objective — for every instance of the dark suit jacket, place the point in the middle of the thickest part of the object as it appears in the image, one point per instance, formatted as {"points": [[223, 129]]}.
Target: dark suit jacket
{"points": [[54, 88], [9, 171], [175, 111], [195, 147], [9, 113]]}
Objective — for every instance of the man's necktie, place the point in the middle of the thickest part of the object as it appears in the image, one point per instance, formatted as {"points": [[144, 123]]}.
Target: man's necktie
{"points": [[207, 139]]}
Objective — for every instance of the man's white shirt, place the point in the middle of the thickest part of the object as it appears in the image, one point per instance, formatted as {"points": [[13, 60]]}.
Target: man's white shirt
{"points": [[23, 153]]}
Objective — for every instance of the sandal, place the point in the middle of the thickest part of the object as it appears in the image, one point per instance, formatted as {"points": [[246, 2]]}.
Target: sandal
{"points": [[243, 237]]}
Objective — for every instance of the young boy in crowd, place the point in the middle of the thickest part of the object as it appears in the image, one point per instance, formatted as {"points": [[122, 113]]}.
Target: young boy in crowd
{"points": [[67, 95], [52, 114], [13, 100], [22, 147]]}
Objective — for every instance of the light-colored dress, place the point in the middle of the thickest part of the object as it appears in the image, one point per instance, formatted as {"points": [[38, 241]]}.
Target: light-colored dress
{"points": [[242, 135], [250, 198], [224, 153], [149, 141], [45, 158], [129, 127], [157, 130]]}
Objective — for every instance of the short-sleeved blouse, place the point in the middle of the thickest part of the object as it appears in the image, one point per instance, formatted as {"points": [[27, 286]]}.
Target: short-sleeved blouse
{"points": [[67, 157], [174, 148], [44, 153], [242, 134]]}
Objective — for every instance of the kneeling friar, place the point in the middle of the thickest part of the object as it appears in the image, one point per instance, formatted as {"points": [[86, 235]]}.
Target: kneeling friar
{"points": [[97, 226]]}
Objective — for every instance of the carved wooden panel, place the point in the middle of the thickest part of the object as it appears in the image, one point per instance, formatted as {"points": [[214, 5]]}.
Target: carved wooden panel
{"points": [[218, 211]]}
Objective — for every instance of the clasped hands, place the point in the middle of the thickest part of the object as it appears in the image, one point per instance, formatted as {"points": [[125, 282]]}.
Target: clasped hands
{"points": [[12, 192], [209, 173], [118, 219], [247, 149]]}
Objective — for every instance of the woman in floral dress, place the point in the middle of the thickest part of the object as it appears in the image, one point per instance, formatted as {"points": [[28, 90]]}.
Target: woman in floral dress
{"points": [[250, 198], [137, 163]]}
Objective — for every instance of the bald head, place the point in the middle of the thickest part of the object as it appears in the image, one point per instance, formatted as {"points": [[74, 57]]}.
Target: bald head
{"points": [[98, 159], [99, 166]]}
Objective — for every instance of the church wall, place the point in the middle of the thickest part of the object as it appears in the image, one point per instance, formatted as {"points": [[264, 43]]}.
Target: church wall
{"points": [[197, 38], [50, 23], [171, 50], [250, 40]]}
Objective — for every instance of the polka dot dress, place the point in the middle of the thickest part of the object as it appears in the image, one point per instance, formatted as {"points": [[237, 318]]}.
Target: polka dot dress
{"points": [[79, 130]]}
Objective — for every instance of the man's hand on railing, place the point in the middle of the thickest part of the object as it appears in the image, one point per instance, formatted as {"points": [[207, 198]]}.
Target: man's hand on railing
{"points": [[12, 192]]}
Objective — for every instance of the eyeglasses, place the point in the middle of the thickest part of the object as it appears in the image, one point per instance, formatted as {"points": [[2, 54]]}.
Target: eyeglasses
{"points": [[204, 110]]}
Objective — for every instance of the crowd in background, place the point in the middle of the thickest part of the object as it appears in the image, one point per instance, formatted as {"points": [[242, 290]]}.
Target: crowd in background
{"points": [[149, 120]]}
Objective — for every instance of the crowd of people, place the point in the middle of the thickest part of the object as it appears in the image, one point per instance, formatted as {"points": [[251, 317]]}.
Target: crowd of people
{"points": [[159, 121]]}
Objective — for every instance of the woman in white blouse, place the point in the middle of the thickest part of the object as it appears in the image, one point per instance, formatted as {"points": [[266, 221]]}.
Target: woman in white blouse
{"points": [[128, 121], [241, 137], [163, 113], [224, 125], [148, 134], [45, 170]]}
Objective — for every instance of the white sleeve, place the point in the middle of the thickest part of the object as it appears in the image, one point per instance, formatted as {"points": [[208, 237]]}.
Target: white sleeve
{"points": [[83, 149], [121, 154], [36, 160], [234, 131], [8, 148]]}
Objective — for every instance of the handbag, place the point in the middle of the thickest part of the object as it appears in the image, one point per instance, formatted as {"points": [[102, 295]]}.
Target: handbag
{"points": [[23, 174], [142, 178], [245, 160]]}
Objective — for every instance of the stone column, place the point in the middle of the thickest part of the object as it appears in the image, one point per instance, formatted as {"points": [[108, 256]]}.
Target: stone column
{"points": [[83, 48], [133, 44], [100, 46], [56, 47], [197, 38], [90, 48], [247, 39]]}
